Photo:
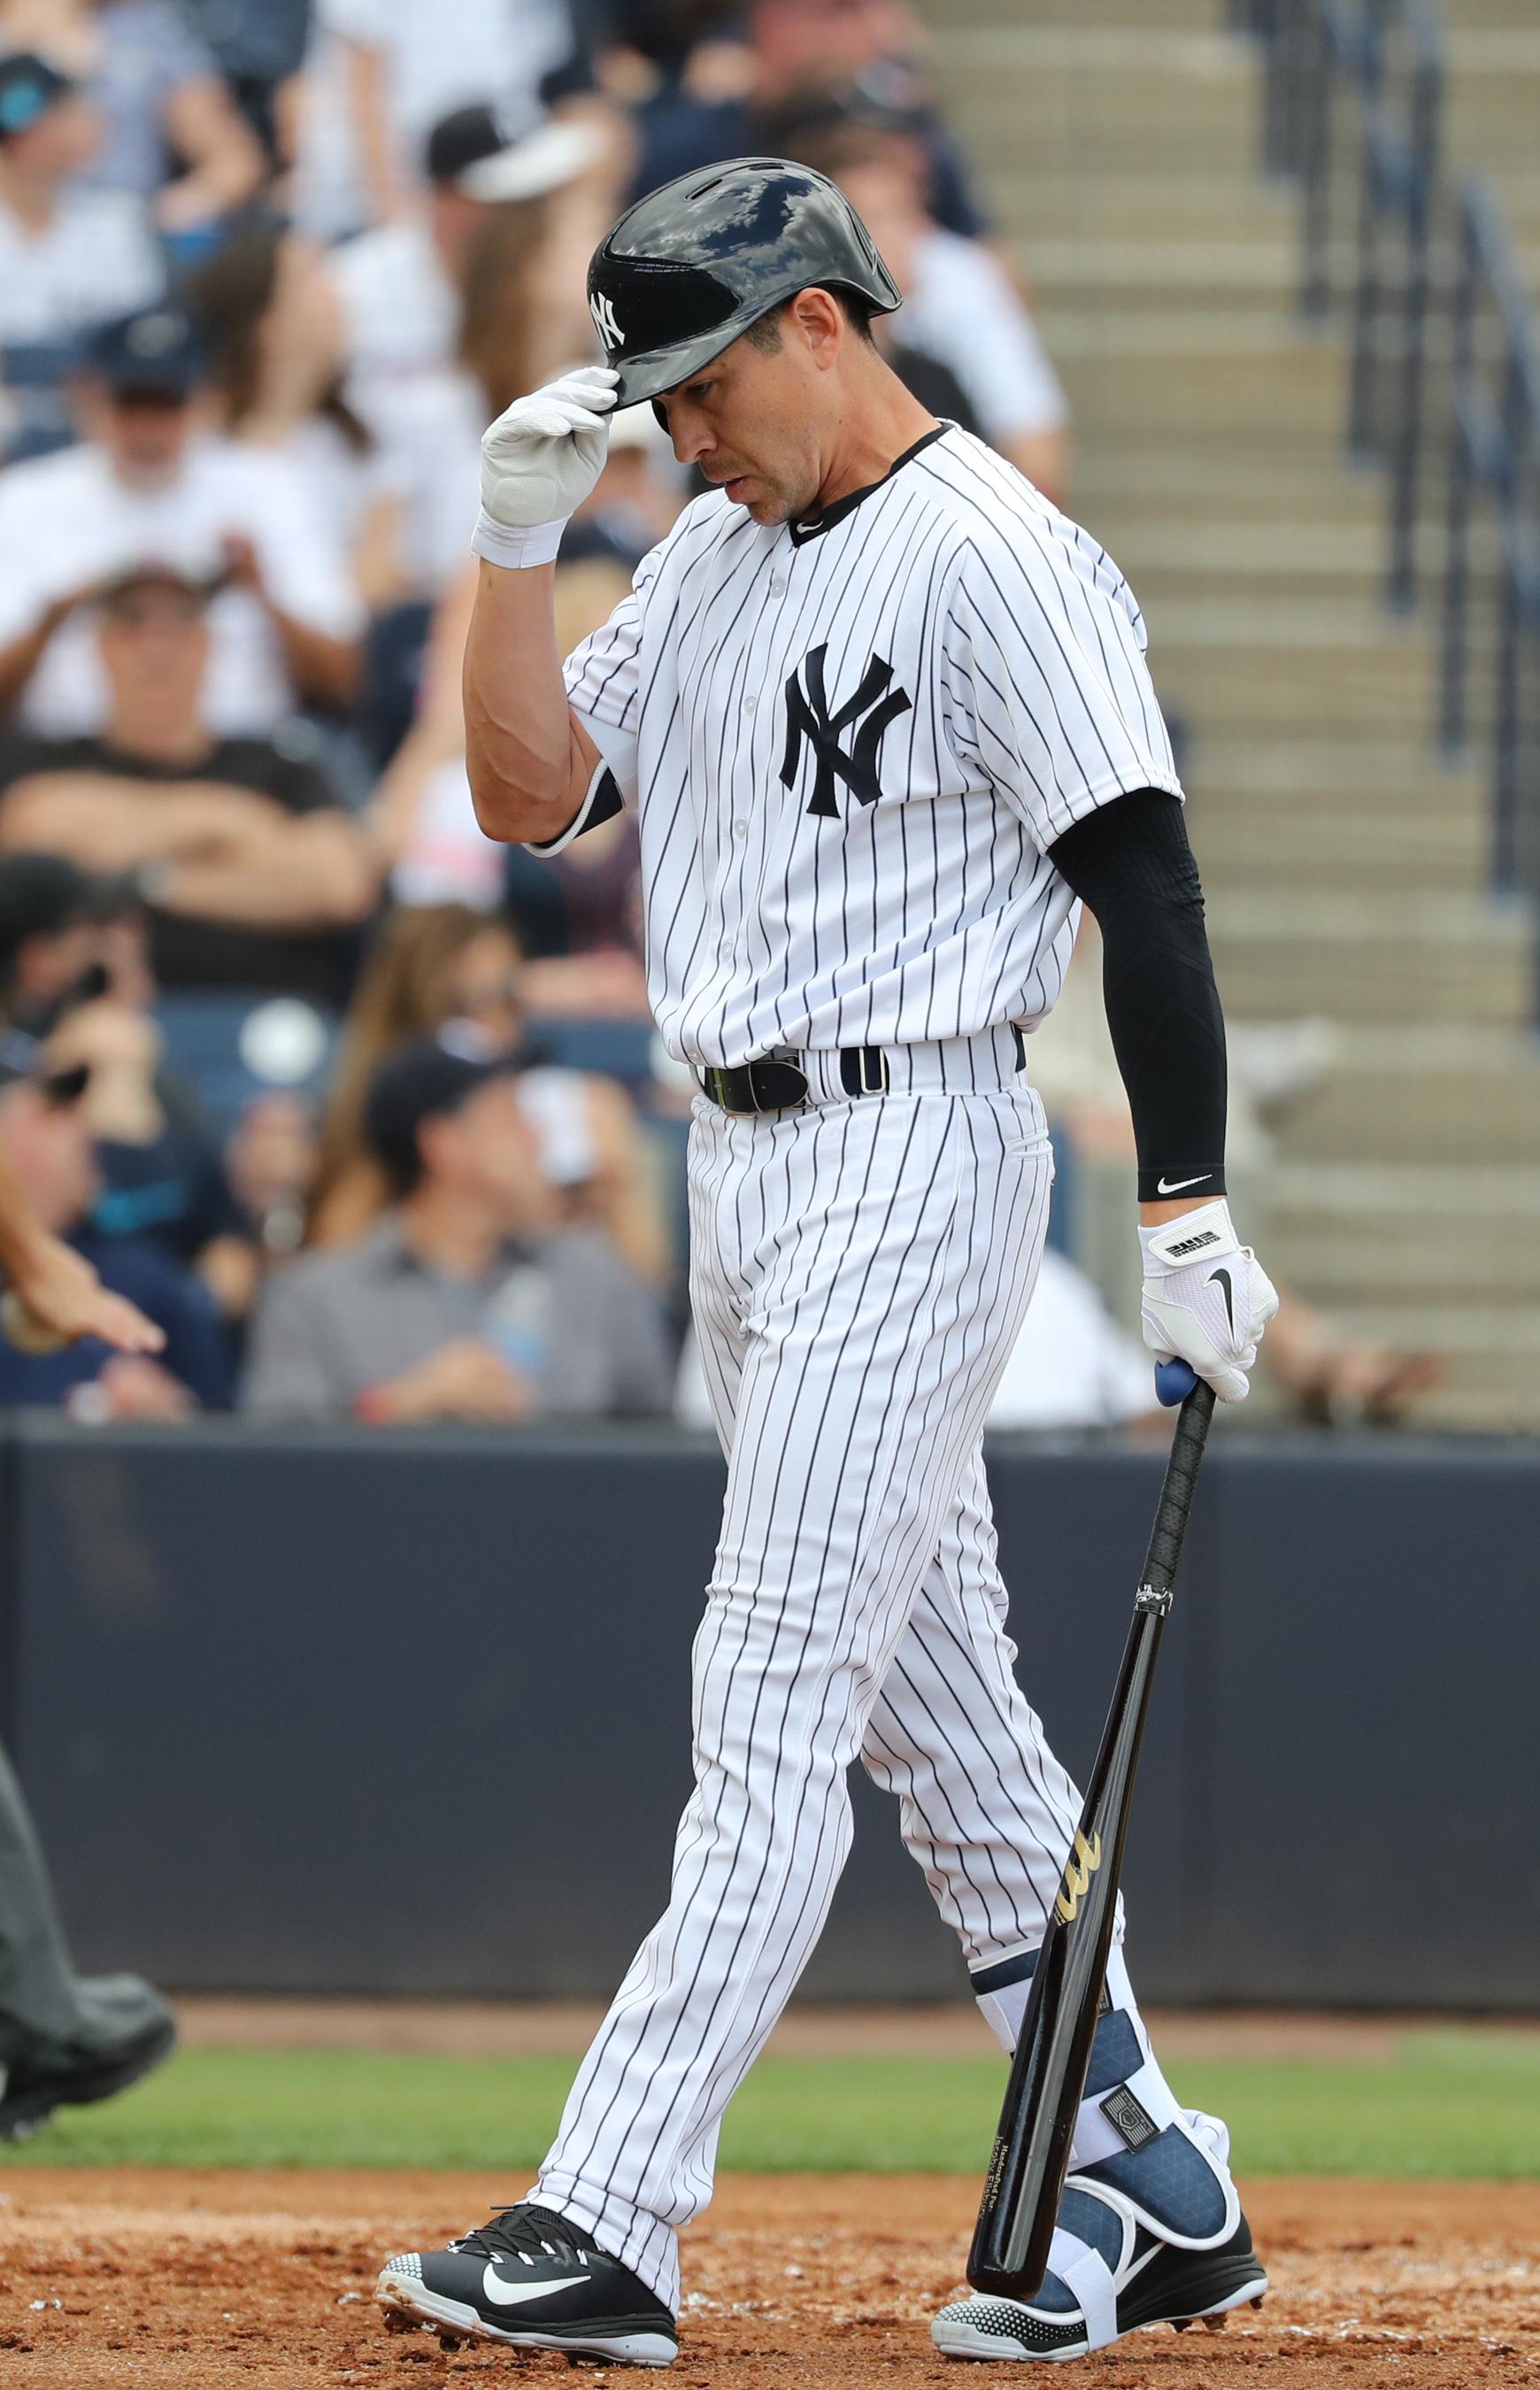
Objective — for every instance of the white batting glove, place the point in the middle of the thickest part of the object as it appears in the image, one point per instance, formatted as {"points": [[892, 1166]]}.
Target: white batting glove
{"points": [[1207, 1298], [539, 461]]}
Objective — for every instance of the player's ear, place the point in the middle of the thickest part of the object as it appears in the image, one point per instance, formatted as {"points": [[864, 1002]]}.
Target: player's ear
{"points": [[820, 320]]}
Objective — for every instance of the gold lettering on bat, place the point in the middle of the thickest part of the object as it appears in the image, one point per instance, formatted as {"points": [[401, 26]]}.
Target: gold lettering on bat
{"points": [[1084, 1861]]}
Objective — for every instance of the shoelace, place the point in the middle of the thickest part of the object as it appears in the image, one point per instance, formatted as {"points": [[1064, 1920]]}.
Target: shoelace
{"points": [[523, 2231]]}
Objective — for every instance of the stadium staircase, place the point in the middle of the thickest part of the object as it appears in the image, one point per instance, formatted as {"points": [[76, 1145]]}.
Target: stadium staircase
{"points": [[1345, 863]]}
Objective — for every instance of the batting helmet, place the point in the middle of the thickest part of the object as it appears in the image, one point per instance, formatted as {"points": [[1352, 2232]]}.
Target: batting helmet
{"points": [[694, 264]]}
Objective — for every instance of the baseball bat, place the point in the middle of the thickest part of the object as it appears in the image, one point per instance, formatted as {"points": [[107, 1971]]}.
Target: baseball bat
{"points": [[1025, 2182]]}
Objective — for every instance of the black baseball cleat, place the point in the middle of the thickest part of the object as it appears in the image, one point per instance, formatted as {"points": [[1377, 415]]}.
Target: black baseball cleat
{"points": [[1155, 2283], [530, 2278], [126, 2029]]}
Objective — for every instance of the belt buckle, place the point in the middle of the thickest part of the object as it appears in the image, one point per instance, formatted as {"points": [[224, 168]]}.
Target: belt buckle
{"points": [[792, 1071]]}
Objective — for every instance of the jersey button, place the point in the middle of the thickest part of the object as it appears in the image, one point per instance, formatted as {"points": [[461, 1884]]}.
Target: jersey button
{"points": [[740, 830], [777, 586], [748, 704]]}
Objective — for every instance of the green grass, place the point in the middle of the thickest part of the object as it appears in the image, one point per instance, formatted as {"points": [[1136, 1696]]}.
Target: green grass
{"points": [[1449, 2103]]}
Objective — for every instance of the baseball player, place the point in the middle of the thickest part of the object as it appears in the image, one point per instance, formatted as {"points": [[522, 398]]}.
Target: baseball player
{"points": [[884, 717]]}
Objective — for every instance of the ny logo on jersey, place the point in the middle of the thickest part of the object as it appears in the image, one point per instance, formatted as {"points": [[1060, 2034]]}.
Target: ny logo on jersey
{"points": [[808, 717], [603, 313]]}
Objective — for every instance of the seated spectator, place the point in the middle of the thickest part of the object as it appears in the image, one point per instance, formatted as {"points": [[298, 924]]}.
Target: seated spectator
{"points": [[443, 321], [790, 44], [448, 963], [174, 138], [465, 1300], [46, 1144], [161, 1181], [69, 256], [254, 877], [151, 481], [266, 305], [399, 65]]}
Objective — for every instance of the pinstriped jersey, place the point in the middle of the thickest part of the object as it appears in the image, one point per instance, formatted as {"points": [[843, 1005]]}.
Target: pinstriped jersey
{"points": [[850, 743]]}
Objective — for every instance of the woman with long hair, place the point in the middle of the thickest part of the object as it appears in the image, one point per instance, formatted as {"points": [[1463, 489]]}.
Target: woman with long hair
{"points": [[440, 963], [267, 308]]}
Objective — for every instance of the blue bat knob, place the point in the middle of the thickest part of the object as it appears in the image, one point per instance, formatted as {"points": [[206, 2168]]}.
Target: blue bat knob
{"points": [[1173, 1383]]}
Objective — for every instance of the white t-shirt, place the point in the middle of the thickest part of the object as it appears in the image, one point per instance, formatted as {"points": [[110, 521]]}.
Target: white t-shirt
{"points": [[437, 57], [67, 521], [963, 309], [401, 320], [1073, 1364], [94, 260]]}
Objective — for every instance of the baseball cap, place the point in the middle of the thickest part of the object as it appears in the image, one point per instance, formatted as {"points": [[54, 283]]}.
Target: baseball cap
{"points": [[426, 1081], [156, 350], [29, 87], [491, 154]]}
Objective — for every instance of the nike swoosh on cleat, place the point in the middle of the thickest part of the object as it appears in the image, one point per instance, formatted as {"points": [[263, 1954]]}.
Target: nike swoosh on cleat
{"points": [[1222, 1278], [514, 2294], [1178, 1183]]}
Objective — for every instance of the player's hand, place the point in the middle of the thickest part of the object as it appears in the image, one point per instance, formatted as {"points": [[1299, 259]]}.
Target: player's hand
{"points": [[545, 452], [1207, 1299]]}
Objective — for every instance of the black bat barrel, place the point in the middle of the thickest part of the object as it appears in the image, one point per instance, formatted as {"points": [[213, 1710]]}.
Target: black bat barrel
{"points": [[1025, 2182]]}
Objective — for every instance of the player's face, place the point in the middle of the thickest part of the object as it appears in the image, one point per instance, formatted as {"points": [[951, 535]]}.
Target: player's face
{"points": [[752, 422]]}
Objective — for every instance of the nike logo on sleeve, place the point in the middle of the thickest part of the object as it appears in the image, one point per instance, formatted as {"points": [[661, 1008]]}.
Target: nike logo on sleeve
{"points": [[1176, 1184]]}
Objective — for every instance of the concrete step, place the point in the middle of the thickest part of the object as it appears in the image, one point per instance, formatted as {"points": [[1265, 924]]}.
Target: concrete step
{"points": [[1151, 100], [1241, 845], [1204, 484], [1044, 199], [1236, 386], [1299, 562], [1356, 956], [1262, 673], [1410, 1094]]}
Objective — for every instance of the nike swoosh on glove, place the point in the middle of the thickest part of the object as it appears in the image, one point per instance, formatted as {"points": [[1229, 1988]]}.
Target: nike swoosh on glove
{"points": [[545, 452], [1207, 1298]]}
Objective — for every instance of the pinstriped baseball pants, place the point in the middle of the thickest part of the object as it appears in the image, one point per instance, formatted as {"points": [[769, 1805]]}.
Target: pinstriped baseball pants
{"points": [[858, 1274]]}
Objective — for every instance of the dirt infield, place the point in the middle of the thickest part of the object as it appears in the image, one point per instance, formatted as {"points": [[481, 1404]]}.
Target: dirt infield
{"points": [[207, 2281]]}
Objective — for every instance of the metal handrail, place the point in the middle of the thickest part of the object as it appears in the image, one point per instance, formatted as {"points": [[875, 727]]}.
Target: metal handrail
{"points": [[1423, 272]]}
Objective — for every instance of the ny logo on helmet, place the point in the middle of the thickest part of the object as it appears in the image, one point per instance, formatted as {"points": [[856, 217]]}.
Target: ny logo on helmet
{"points": [[603, 313], [808, 718]]}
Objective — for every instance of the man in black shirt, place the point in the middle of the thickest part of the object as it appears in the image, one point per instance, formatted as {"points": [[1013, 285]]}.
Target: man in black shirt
{"points": [[254, 876]]}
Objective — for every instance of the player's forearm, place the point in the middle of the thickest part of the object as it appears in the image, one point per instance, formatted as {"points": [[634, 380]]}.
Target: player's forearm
{"points": [[524, 753], [1131, 864]]}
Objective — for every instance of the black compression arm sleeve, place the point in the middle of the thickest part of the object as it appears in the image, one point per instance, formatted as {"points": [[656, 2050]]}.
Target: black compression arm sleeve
{"points": [[1131, 864]]}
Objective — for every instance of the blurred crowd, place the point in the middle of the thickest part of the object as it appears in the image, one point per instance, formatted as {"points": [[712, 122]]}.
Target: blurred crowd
{"points": [[366, 1112]]}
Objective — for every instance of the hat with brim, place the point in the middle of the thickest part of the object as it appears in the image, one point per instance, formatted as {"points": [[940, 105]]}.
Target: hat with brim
{"points": [[494, 155], [155, 352], [428, 1080]]}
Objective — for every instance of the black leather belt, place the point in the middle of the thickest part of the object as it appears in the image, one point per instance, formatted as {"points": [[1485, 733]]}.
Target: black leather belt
{"points": [[780, 1085]]}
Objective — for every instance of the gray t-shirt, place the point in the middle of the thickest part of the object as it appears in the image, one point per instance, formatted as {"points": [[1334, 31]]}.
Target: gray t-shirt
{"points": [[567, 1313]]}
